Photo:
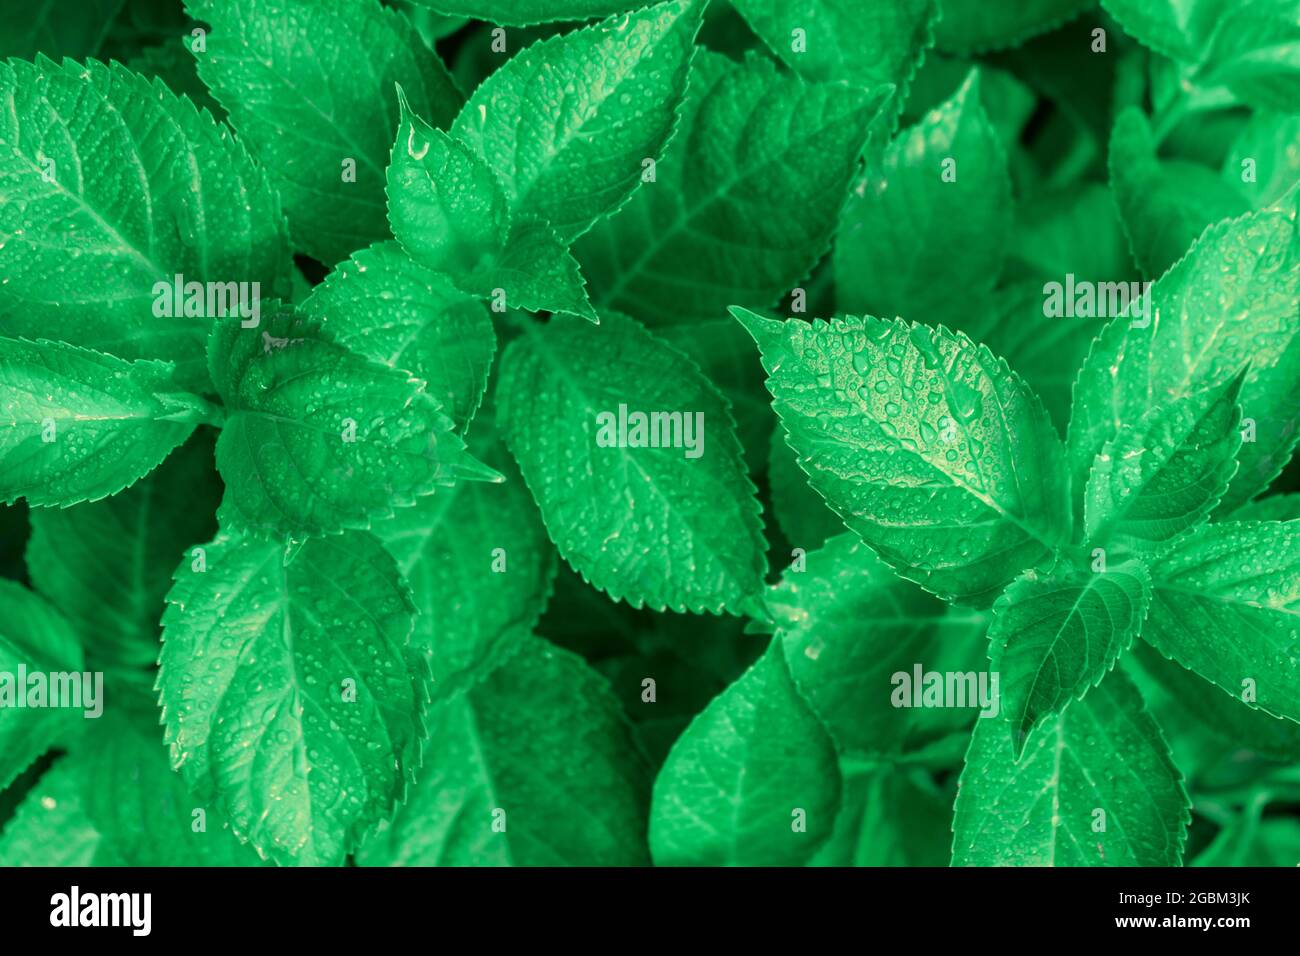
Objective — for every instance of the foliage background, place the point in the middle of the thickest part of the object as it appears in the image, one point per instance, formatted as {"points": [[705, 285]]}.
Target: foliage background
{"points": [[567, 743]]}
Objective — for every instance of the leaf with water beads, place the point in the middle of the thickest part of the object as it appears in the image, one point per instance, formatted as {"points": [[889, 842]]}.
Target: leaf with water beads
{"points": [[78, 425], [926, 444], [112, 185], [450, 213], [1231, 300], [670, 525], [569, 124], [309, 85], [1163, 474], [737, 780], [1095, 787], [289, 694], [1057, 633], [318, 439], [1226, 605]]}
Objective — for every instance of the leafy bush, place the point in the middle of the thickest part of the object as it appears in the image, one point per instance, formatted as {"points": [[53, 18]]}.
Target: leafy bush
{"points": [[327, 328]]}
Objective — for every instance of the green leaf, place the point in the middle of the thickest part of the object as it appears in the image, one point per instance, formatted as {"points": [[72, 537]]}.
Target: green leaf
{"points": [[108, 565], [38, 639], [450, 213], [522, 13], [1227, 718], [1271, 508], [671, 526], [1164, 204], [1162, 474], [385, 307], [1229, 301], [571, 791], [480, 568], [298, 656], [113, 186], [1271, 144], [754, 780], [27, 29], [318, 439], [50, 827], [141, 807], [569, 123], [926, 444], [1247, 48], [861, 42], [172, 62], [1102, 755], [888, 818], [849, 627], [1056, 634], [446, 206], [915, 241], [1225, 606], [320, 115], [77, 425], [534, 272], [972, 26], [760, 155]]}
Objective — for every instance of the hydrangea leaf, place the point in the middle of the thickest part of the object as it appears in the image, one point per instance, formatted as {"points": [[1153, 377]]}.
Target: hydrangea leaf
{"points": [[108, 564], [113, 187], [1057, 633], [1162, 474], [569, 123], [78, 425], [753, 781], [318, 439], [759, 154], [384, 306], [320, 116], [480, 569], [298, 656], [1164, 204], [674, 525], [1231, 300], [927, 225], [572, 791], [848, 626], [1101, 760], [449, 211], [1225, 605], [926, 444], [34, 636], [1231, 721]]}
